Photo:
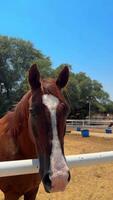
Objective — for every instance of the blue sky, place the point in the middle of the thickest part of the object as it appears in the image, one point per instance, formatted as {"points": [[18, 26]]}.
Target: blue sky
{"points": [[78, 32]]}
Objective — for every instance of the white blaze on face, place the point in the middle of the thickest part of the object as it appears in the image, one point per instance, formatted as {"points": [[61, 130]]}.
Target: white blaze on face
{"points": [[59, 177]]}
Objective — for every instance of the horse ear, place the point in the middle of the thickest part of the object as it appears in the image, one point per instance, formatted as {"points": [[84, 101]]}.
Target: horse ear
{"points": [[63, 77], [34, 77]]}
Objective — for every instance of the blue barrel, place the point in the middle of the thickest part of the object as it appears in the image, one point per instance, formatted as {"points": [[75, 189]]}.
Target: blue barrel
{"points": [[85, 133], [108, 130], [78, 129]]}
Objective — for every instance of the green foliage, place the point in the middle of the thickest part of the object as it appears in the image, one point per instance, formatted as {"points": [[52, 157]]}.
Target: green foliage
{"points": [[81, 91], [16, 56], [109, 107]]}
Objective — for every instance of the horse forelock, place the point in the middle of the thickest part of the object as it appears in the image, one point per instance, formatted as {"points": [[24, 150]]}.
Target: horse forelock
{"points": [[49, 87]]}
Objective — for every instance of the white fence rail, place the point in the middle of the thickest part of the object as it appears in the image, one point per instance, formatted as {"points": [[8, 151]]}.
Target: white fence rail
{"points": [[88, 123], [10, 168]]}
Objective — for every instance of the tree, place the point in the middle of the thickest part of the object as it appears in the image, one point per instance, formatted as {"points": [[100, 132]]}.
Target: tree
{"points": [[16, 56], [82, 91]]}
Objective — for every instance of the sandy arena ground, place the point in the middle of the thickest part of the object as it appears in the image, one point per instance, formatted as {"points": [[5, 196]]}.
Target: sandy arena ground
{"points": [[87, 183]]}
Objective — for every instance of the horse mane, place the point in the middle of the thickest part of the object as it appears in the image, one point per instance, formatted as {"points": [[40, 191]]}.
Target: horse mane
{"points": [[13, 120]]}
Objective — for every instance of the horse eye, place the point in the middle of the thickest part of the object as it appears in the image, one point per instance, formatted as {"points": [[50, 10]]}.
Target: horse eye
{"points": [[32, 111], [63, 107], [35, 110]]}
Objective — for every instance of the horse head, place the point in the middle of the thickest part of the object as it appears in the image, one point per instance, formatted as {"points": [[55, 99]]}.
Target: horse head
{"points": [[47, 121]]}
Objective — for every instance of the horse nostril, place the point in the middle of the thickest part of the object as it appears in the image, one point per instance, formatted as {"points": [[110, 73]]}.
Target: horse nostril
{"points": [[47, 182], [69, 177]]}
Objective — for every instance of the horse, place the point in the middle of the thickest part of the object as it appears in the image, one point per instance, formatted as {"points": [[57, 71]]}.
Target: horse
{"points": [[35, 128], [110, 125]]}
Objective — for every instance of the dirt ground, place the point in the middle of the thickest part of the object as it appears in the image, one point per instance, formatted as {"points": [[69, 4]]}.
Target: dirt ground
{"points": [[87, 183]]}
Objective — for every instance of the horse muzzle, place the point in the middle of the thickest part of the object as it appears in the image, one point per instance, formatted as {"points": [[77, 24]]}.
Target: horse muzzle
{"points": [[56, 182]]}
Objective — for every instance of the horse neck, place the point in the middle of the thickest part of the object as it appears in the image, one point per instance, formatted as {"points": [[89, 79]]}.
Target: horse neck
{"points": [[21, 130]]}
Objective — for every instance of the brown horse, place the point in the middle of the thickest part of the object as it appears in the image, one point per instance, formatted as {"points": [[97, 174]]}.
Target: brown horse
{"points": [[36, 129], [110, 125]]}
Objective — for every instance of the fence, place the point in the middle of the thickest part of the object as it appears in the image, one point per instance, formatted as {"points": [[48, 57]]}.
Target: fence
{"points": [[100, 124], [10, 168]]}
